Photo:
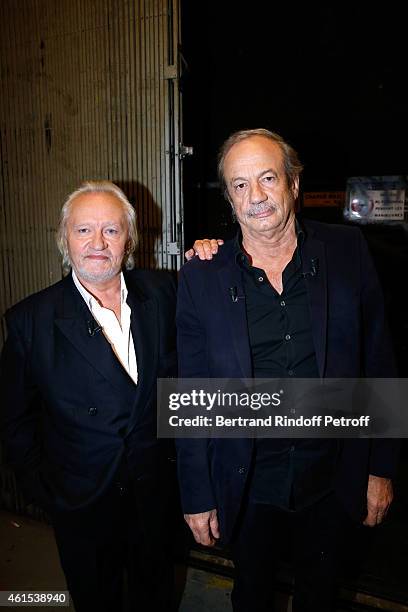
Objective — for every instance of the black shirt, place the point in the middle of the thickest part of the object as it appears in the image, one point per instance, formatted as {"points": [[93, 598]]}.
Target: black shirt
{"points": [[289, 474]]}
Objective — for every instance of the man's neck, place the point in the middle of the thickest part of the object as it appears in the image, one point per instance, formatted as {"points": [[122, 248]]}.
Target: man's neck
{"points": [[107, 292], [274, 244]]}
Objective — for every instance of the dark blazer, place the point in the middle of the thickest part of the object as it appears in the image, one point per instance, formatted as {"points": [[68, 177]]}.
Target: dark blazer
{"points": [[70, 412], [350, 339]]}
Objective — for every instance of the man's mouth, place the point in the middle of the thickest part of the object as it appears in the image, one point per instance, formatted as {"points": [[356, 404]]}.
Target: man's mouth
{"points": [[260, 211], [97, 257]]}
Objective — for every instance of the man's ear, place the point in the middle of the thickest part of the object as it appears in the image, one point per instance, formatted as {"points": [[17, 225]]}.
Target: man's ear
{"points": [[295, 187]]}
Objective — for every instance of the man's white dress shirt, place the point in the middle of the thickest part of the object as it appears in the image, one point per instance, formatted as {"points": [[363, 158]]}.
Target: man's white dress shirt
{"points": [[117, 333]]}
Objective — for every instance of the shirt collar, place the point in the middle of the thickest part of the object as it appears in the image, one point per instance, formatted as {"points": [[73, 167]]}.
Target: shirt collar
{"points": [[89, 298], [241, 257], [300, 233]]}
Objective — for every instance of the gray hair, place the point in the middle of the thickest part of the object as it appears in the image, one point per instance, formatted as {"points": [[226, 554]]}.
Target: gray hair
{"points": [[97, 187], [291, 161]]}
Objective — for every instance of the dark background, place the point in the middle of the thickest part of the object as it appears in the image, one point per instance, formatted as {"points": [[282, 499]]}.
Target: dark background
{"points": [[330, 80]]}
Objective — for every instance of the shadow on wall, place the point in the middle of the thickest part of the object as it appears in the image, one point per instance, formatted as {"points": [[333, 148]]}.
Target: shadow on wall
{"points": [[149, 252]]}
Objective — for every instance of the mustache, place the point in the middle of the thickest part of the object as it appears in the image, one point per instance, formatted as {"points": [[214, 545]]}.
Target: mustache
{"points": [[256, 209], [104, 252]]}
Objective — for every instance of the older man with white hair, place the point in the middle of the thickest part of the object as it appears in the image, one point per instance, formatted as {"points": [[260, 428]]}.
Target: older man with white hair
{"points": [[78, 384]]}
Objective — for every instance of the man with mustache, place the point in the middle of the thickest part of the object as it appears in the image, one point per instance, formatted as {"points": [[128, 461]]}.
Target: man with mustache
{"points": [[284, 299], [78, 385]]}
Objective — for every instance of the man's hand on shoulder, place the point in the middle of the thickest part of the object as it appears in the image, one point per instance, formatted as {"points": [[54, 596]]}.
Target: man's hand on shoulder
{"points": [[379, 498], [204, 249], [204, 526]]}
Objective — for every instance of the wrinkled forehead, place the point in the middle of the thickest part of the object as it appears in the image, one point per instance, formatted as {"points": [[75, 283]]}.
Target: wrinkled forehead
{"points": [[97, 206], [256, 153]]}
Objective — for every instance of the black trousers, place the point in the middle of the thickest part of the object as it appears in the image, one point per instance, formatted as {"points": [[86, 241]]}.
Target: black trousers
{"points": [[314, 537], [123, 535]]}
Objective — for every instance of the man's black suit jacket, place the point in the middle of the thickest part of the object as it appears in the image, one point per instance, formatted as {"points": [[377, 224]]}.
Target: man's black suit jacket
{"points": [[350, 340], [70, 412]]}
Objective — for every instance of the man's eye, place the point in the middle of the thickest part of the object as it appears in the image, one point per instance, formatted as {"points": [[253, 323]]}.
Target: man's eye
{"points": [[269, 178], [111, 231], [83, 230], [239, 186]]}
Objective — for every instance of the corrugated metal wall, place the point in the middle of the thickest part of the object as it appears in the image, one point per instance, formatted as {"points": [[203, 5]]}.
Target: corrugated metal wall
{"points": [[89, 89]]}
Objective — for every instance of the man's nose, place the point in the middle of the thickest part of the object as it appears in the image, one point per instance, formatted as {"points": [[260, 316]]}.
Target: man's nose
{"points": [[257, 194], [98, 241]]}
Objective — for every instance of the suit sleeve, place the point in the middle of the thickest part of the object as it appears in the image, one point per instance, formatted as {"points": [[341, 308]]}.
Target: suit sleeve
{"points": [[19, 416], [378, 357], [192, 455]]}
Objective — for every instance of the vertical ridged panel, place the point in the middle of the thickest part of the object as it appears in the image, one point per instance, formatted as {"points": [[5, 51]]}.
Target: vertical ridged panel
{"points": [[88, 90]]}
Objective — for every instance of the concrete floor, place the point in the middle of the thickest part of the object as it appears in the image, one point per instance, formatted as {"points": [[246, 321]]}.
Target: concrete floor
{"points": [[28, 557]]}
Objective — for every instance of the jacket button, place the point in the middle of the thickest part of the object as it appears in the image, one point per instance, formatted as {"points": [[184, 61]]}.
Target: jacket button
{"points": [[241, 470], [92, 411]]}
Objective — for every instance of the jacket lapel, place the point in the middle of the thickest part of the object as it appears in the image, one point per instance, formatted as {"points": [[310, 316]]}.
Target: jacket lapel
{"points": [[145, 332], [314, 267], [145, 335], [232, 292], [75, 321]]}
